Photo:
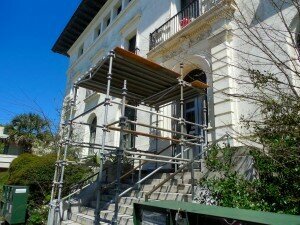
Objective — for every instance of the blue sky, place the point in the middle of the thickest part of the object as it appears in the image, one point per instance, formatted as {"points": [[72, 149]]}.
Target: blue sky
{"points": [[32, 76]]}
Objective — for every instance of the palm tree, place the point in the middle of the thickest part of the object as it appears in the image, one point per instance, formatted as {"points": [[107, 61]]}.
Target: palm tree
{"points": [[25, 129]]}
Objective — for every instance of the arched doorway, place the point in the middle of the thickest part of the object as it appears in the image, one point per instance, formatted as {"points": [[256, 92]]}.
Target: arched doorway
{"points": [[93, 131], [194, 107]]}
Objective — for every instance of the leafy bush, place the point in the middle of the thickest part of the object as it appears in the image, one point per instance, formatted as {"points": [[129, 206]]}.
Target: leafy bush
{"points": [[2, 145], [276, 190], [37, 172], [3, 181], [38, 215]]}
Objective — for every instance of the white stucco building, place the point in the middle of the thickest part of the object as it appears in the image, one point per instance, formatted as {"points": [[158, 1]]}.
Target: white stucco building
{"points": [[216, 40], [204, 36]]}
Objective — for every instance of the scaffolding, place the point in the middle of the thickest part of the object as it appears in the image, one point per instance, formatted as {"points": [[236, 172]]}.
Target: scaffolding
{"points": [[140, 82]]}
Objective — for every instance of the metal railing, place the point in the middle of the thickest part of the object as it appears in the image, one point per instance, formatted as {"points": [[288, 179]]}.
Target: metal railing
{"points": [[182, 19]]}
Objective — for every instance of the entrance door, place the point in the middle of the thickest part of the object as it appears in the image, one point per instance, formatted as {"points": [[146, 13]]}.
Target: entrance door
{"points": [[193, 111], [193, 107]]}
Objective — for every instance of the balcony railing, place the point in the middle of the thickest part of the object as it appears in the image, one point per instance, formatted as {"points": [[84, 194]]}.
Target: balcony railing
{"points": [[180, 21]]}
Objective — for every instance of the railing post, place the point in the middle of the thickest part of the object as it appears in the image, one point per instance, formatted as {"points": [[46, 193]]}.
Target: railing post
{"points": [[120, 152], [156, 132], [101, 151], [181, 111], [205, 124]]}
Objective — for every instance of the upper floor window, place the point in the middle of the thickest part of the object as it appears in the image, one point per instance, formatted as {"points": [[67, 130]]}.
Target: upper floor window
{"points": [[107, 21], [117, 9], [185, 3], [81, 50], [132, 44], [97, 31]]}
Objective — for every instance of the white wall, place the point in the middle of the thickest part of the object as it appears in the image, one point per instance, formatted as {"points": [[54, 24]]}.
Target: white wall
{"points": [[137, 17], [214, 49]]}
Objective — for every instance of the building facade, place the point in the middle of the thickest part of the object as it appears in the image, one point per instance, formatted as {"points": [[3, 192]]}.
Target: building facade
{"points": [[217, 43], [205, 35]]}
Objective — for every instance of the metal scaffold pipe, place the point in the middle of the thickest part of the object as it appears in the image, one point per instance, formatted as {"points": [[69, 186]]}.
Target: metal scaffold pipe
{"points": [[181, 110], [120, 152], [155, 113], [156, 156], [162, 129], [101, 151], [56, 220]]}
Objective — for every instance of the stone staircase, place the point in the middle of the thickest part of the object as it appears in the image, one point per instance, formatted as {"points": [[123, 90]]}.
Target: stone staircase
{"points": [[178, 189]]}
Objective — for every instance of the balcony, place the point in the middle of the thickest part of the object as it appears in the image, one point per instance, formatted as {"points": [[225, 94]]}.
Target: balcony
{"points": [[181, 20]]}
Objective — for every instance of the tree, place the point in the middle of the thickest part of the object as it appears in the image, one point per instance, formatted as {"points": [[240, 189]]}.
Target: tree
{"points": [[26, 129], [266, 48]]}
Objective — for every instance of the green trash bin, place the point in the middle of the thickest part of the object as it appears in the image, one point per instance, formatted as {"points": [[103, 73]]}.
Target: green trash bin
{"points": [[14, 204], [184, 213]]}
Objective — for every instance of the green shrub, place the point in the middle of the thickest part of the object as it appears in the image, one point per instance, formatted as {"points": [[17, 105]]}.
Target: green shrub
{"points": [[276, 190], [38, 215], [2, 145], [37, 172], [3, 181]]}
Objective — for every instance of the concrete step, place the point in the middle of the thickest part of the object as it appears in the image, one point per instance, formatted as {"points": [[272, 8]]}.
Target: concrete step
{"points": [[185, 175], [123, 209], [180, 188], [130, 200], [69, 222], [86, 219], [163, 196], [93, 204], [157, 181], [177, 189]]}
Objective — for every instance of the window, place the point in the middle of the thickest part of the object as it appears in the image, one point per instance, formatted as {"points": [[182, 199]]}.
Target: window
{"points": [[130, 138], [93, 130], [80, 50], [107, 22], [97, 31], [132, 44], [196, 75], [119, 9], [184, 3]]}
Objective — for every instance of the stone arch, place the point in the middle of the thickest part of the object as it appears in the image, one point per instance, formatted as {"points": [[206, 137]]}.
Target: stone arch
{"points": [[91, 118], [198, 62], [193, 62]]}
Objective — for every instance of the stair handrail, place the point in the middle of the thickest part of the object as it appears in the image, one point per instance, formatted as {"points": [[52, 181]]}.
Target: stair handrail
{"points": [[169, 177], [135, 168], [148, 176], [80, 185]]}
